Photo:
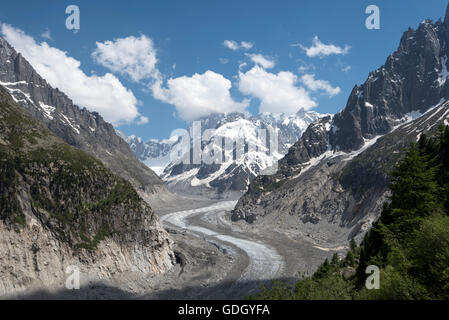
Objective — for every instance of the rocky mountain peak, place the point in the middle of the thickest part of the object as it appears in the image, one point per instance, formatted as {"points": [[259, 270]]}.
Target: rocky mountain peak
{"points": [[232, 175], [413, 78], [336, 176], [78, 127]]}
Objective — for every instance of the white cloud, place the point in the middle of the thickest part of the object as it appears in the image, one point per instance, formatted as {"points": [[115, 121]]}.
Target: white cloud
{"points": [[234, 45], [260, 60], [199, 95], [46, 34], [304, 66], [104, 94], [346, 68], [315, 85], [135, 57], [143, 120], [320, 49], [224, 60], [242, 65], [246, 45], [231, 44], [278, 93]]}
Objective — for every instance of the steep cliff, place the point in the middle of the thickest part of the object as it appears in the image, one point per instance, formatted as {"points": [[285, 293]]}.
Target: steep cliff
{"points": [[60, 206], [332, 183], [78, 127]]}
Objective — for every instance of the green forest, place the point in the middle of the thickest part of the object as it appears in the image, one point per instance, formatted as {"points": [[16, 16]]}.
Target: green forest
{"points": [[409, 243]]}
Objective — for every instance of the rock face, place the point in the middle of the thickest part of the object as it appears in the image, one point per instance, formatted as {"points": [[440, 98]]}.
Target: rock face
{"points": [[337, 195], [412, 79], [77, 127], [61, 207], [235, 170], [333, 182]]}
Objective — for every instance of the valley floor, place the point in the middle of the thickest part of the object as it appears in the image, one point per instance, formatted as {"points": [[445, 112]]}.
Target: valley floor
{"points": [[253, 257], [216, 258]]}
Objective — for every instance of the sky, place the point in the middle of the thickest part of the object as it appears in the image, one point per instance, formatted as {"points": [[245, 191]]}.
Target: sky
{"points": [[148, 67]]}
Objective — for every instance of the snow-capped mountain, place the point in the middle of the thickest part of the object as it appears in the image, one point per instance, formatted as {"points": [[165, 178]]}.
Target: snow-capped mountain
{"points": [[333, 182], [233, 165], [153, 153]]}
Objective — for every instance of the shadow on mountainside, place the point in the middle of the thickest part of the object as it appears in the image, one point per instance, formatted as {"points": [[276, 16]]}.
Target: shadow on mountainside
{"points": [[228, 290]]}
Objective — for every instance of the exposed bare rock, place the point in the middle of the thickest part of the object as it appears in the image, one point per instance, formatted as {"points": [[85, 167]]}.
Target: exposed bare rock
{"points": [[333, 182], [60, 206], [78, 127]]}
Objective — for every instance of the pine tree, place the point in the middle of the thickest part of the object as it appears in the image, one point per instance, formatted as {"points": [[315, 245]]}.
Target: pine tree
{"points": [[443, 175], [414, 192], [414, 196], [353, 245], [323, 270], [335, 260]]}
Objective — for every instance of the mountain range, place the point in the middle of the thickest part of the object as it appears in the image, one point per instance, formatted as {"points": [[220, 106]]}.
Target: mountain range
{"points": [[238, 170], [72, 188], [332, 183]]}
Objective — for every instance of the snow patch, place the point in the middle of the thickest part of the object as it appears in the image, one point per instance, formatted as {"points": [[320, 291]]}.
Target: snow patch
{"points": [[48, 110], [67, 121], [444, 74], [183, 176], [368, 143]]}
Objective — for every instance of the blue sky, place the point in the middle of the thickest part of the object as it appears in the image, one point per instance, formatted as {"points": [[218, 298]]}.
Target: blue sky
{"points": [[187, 38]]}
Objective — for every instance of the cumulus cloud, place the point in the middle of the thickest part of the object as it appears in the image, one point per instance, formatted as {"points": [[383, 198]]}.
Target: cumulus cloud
{"points": [[314, 85], [104, 94], [234, 45], [135, 57], [199, 95], [319, 49], [278, 93], [260, 60]]}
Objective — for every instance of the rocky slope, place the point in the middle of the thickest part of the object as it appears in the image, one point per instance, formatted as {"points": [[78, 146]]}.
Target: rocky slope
{"points": [[334, 196], [77, 127], [60, 206], [233, 171], [413, 78], [332, 183]]}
